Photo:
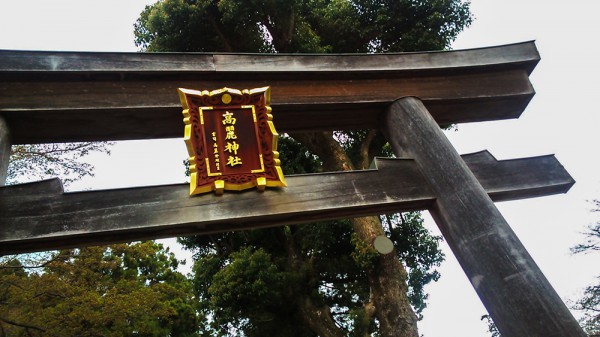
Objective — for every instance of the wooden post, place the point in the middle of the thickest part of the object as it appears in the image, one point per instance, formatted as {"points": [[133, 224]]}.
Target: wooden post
{"points": [[509, 283], [4, 150]]}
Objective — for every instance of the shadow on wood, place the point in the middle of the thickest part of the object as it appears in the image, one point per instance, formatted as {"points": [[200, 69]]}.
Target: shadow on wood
{"points": [[83, 96], [39, 216]]}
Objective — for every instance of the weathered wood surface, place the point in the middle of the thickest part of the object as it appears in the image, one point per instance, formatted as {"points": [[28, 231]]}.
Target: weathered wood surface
{"points": [[39, 216], [5, 143], [75, 96], [43, 62], [515, 292]]}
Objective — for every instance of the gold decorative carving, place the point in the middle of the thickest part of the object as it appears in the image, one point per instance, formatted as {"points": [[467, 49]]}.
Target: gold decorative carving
{"points": [[231, 140]]}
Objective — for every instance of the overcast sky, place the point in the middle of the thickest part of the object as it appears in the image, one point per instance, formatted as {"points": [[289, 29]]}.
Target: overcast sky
{"points": [[562, 119]]}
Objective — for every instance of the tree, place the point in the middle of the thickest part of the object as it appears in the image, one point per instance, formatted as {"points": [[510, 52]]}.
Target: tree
{"points": [[328, 277], [590, 302], [119, 290], [338, 26], [30, 162]]}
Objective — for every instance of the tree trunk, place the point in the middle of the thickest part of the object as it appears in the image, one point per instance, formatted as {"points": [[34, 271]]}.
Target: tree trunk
{"points": [[388, 285], [388, 279], [318, 319]]}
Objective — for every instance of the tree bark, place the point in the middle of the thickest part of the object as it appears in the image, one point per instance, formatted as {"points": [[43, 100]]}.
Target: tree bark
{"points": [[511, 286], [318, 319], [327, 148], [388, 279], [388, 285], [5, 144]]}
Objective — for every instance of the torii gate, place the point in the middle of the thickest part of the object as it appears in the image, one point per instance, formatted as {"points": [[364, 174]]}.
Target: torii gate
{"points": [[82, 96]]}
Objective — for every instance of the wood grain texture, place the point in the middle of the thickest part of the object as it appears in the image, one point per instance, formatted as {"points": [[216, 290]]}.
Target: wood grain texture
{"points": [[40, 217], [43, 62], [5, 143], [511, 286], [69, 96]]}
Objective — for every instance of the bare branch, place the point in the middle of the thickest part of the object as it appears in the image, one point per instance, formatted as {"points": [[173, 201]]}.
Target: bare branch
{"points": [[39, 161], [42, 265], [364, 149]]}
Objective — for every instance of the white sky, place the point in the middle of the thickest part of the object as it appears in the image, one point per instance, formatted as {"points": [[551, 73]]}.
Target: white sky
{"points": [[561, 119]]}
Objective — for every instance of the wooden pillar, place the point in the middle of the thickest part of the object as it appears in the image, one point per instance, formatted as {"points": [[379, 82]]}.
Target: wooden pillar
{"points": [[4, 150], [509, 283]]}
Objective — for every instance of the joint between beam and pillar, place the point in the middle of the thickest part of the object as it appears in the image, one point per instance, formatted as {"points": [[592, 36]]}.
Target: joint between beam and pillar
{"points": [[488, 250], [5, 144]]}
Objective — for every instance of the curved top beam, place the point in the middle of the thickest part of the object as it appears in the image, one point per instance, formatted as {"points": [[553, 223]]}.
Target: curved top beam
{"points": [[523, 54], [82, 96]]}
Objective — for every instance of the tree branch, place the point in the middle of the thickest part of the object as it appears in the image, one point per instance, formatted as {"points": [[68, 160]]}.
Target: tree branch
{"points": [[319, 319], [50, 294], [21, 325], [219, 32], [327, 148], [291, 26], [56, 257], [365, 146]]}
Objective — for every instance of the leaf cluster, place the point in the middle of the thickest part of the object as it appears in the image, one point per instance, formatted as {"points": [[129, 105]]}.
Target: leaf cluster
{"points": [[270, 282], [418, 249], [119, 290], [254, 282], [308, 26]]}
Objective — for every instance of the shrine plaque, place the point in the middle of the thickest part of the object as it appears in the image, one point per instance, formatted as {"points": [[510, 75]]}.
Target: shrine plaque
{"points": [[231, 140]]}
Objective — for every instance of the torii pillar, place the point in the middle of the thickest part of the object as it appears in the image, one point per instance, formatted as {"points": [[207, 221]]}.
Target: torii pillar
{"points": [[517, 295], [4, 150], [96, 97]]}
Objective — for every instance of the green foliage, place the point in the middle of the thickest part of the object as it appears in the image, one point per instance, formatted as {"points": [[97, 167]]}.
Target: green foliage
{"points": [[251, 274], [418, 249], [246, 289], [364, 254], [263, 282], [119, 290], [295, 157], [258, 290], [314, 26]]}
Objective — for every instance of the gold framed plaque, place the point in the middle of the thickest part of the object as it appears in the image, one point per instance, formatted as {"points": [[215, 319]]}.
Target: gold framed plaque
{"points": [[231, 140]]}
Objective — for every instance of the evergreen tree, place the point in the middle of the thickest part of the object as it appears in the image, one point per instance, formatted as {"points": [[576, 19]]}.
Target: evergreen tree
{"points": [[322, 279], [118, 290]]}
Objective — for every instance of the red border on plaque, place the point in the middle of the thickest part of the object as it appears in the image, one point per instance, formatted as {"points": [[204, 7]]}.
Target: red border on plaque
{"points": [[231, 140]]}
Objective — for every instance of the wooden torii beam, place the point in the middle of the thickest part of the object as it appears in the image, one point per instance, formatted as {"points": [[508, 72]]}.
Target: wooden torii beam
{"points": [[64, 96], [129, 214]]}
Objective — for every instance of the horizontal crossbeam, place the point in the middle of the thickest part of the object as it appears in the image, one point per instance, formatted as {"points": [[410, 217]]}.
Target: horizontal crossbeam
{"points": [[82, 96], [39, 216]]}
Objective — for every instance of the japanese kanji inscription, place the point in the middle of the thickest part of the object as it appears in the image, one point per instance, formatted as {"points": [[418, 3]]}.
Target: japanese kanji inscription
{"points": [[231, 140]]}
